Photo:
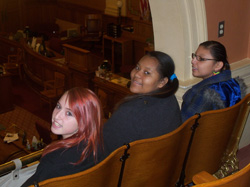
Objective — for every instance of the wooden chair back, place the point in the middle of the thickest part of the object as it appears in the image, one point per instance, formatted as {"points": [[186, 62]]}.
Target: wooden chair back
{"points": [[151, 162], [17, 57], [14, 64], [93, 27], [105, 173], [53, 89], [156, 161], [216, 129], [159, 161], [240, 178]]}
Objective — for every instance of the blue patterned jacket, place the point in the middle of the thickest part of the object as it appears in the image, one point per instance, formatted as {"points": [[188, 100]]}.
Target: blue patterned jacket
{"points": [[216, 92]]}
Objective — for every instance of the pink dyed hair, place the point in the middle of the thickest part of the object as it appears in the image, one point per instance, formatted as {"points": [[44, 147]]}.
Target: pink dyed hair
{"points": [[87, 109]]}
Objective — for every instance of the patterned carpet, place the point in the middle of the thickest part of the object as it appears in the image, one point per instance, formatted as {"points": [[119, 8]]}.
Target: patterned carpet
{"points": [[25, 122], [23, 119]]}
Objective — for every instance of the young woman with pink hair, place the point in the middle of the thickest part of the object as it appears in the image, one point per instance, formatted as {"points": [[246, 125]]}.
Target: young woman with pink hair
{"points": [[77, 118]]}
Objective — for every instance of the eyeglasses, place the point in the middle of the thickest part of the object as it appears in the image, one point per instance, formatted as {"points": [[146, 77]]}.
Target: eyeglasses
{"points": [[199, 58]]}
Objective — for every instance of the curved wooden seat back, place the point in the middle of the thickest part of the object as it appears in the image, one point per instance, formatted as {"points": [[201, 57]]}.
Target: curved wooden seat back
{"points": [[105, 173], [152, 162], [216, 129], [158, 161], [240, 178]]}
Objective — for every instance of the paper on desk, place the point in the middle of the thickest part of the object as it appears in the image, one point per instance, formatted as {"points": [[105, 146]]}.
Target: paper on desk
{"points": [[10, 137]]}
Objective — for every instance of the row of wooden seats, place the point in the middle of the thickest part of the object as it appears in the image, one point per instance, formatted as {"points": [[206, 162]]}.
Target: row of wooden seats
{"points": [[172, 159]]}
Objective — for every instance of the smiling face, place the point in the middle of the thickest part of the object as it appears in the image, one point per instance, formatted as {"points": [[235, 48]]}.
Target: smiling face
{"points": [[63, 120], [204, 69], [145, 77]]}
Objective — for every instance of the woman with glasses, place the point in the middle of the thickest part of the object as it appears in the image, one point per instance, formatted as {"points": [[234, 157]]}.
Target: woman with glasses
{"points": [[218, 89]]}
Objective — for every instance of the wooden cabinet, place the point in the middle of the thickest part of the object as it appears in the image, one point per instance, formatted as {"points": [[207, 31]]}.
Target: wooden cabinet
{"points": [[110, 92], [119, 51]]}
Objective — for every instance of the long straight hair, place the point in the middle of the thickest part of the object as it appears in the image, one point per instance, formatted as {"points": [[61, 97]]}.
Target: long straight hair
{"points": [[87, 110]]}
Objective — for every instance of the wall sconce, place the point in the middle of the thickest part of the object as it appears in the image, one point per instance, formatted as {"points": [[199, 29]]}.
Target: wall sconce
{"points": [[119, 5]]}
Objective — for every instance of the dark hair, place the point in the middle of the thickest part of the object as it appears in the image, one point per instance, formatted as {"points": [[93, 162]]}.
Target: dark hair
{"points": [[165, 68], [87, 110], [218, 51]]}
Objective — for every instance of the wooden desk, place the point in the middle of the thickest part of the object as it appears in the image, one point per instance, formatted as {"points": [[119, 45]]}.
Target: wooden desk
{"points": [[6, 98], [110, 92]]}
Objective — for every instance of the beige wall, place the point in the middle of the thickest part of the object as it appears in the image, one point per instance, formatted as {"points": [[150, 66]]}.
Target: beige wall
{"points": [[237, 25]]}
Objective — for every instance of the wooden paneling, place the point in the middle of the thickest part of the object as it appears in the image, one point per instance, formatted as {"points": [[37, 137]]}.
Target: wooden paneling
{"points": [[119, 51], [10, 15], [7, 47], [6, 99], [109, 93], [93, 4], [36, 13], [81, 59], [81, 79], [75, 12], [39, 68]]}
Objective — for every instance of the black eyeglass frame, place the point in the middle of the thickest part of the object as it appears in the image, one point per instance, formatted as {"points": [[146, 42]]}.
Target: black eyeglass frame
{"points": [[200, 59]]}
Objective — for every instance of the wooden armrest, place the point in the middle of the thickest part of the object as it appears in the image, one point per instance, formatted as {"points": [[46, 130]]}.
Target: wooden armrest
{"points": [[203, 177]]}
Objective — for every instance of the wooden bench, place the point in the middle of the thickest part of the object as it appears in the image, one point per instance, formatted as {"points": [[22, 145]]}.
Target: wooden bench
{"points": [[197, 145]]}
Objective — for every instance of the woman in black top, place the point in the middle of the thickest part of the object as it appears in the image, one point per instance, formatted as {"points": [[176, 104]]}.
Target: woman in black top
{"points": [[153, 110], [77, 118]]}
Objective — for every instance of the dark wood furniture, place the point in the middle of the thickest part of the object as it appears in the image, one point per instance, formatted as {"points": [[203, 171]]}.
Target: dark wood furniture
{"points": [[119, 51], [7, 47], [6, 100], [82, 65], [14, 64], [92, 28], [39, 68], [78, 66], [159, 161], [110, 92], [53, 90]]}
